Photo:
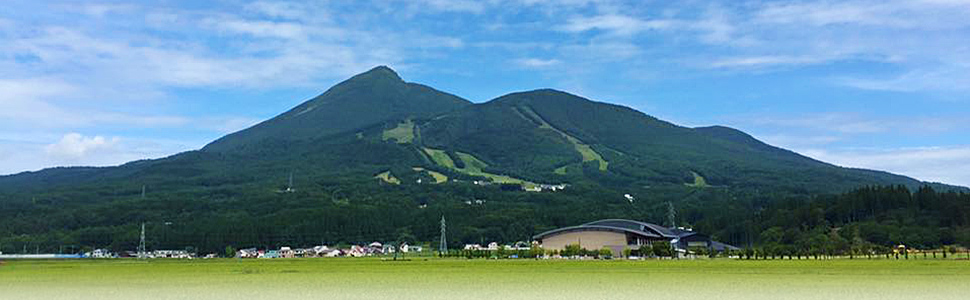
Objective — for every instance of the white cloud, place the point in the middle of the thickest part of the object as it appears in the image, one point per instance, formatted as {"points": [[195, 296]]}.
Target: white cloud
{"points": [[953, 78], [285, 10], [769, 61], [793, 141], [602, 51], [842, 124], [831, 122], [74, 146], [469, 6], [616, 24], [101, 9], [226, 124], [898, 14], [286, 30], [35, 153], [939, 164], [537, 62]]}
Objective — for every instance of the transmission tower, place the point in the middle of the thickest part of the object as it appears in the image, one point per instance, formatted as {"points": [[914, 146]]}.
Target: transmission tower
{"points": [[141, 244], [671, 215], [443, 246]]}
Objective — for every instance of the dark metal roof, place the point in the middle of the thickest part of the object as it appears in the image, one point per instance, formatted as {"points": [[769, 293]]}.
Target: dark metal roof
{"points": [[636, 225], [638, 228], [616, 225]]}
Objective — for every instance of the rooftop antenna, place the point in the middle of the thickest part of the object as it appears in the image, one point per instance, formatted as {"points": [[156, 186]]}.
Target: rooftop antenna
{"points": [[671, 215], [141, 244], [443, 246]]}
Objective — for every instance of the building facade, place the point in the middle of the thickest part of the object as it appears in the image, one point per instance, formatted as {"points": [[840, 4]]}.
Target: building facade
{"points": [[618, 234]]}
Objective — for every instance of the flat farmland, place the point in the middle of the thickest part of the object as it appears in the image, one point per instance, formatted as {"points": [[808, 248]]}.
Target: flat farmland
{"points": [[344, 278]]}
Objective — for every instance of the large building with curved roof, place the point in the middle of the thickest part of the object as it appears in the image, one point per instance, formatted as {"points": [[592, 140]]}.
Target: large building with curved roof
{"points": [[617, 234]]}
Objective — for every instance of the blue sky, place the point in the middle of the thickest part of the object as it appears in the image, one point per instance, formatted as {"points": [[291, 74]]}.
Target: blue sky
{"points": [[873, 84]]}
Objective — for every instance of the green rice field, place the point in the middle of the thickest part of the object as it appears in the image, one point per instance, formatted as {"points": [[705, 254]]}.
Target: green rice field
{"points": [[419, 278]]}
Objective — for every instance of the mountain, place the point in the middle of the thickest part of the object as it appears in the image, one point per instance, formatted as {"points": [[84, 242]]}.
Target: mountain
{"points": [[376, 122], [377, 158], [552, 136], [374, 96]]}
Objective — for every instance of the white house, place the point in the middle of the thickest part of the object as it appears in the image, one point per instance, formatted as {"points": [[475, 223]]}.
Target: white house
{"points": [[287, 252], [332, 253], [493, 246]]}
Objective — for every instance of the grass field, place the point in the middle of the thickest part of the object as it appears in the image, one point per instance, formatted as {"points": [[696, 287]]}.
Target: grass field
{"points": [[585, 150], [438, 177], [344, 278], [386, 176], [473, 166], [699, 181], [403, 133]]}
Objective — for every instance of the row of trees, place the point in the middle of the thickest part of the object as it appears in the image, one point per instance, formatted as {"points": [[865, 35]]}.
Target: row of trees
{"points": [[348, 211]]}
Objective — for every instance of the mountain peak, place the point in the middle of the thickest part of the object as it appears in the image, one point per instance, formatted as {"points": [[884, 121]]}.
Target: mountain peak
{"points": [[381, 71], [545, 95], [367, 99]]}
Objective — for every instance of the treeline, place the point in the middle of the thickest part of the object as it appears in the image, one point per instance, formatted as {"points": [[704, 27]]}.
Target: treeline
{"points": [[343, 210], [866, 220]]}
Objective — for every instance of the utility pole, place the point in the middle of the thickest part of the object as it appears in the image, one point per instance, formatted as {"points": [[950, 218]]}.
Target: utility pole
{"points": [[443, 244], [141, 244]]}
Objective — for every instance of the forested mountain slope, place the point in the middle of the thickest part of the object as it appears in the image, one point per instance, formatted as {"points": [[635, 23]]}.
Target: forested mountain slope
{"points": [[376, 158]]}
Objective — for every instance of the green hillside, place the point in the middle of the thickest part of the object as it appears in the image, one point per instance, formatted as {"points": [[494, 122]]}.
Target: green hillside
{"points": [[376, 158], [539, 134], [373, 97]]}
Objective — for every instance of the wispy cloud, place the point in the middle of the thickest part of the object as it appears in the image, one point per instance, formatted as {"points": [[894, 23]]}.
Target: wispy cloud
{"points": [[73, 149], [767, 61], [952, 78], [470, 6], [938, 164], [286, 10], [899, 14], [831, 122], [615, 24], [537, 62]]}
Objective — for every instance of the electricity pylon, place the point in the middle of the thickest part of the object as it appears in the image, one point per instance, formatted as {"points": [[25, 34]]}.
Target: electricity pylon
{"points": [[443, 246]]}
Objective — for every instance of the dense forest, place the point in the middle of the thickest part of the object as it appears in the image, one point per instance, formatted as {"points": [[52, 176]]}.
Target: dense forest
{"points": [[334, 213]]}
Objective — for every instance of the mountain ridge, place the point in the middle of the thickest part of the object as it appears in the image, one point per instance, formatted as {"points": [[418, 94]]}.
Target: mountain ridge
{"points": [[541, 135]]}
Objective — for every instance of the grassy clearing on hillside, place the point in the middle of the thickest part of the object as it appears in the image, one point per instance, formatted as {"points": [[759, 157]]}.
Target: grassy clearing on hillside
{"points": [[440, 157], [345, 278], [387, 177], [438, 177], [561, 170], [403, 133], [699, 181], [473, 166], [585, 150]]}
